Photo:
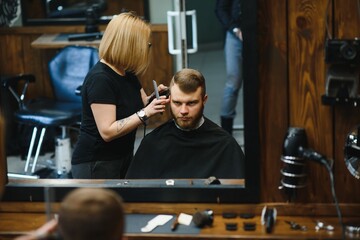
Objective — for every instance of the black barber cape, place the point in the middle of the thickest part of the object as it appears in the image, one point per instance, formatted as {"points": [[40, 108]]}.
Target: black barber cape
{"points": [[168, 152]]}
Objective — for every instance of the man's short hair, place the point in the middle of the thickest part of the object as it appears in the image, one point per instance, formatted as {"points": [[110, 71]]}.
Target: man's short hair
{"points": [[189, 80], [91, 213]]}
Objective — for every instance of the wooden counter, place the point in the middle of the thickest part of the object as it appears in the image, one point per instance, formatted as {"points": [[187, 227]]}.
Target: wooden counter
{"points": [[47, 41], [18, 218]]}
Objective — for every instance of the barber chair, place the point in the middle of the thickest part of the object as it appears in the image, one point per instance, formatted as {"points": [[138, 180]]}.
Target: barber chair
{"points": [[67, 71]]}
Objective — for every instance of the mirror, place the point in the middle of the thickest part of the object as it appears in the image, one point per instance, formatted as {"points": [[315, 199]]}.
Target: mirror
{"points": [[237, 190], [210, 61], [352, 152]]}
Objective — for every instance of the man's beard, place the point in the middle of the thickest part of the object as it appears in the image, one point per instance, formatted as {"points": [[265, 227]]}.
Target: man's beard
{"points": [[187, 122]]}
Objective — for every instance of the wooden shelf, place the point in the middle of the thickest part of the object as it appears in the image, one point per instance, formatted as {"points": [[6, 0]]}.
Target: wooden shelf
{"points": [[331, 101], [47, 41]]}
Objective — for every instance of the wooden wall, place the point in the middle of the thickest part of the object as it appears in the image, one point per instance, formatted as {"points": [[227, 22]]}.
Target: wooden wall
{"points": [[292, 74]]}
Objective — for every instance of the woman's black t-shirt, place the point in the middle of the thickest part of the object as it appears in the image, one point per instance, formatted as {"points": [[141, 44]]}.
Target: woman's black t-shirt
{"points": [[103, 85]]}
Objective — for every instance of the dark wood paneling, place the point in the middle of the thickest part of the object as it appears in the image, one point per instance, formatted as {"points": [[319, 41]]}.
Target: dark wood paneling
{"points": [[288, 209], [292, 74], [306, 85], [36, 62], [273, 93], [18, 57], [115, 6], [160, 68]]}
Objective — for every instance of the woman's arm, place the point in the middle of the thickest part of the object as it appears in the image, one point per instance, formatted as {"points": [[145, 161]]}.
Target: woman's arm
{"points": [[107, 124], [44, 232], [110, 128]]}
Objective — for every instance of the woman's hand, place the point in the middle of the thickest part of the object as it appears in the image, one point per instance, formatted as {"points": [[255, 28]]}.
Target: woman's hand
{"points": [[162, 88], [41, 233], [156, 106]]}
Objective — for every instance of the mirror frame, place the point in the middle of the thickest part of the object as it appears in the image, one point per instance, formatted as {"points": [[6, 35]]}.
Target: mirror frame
{"points": [[142, 191]]}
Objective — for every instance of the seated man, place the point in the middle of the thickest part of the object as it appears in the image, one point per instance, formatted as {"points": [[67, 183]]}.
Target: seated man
{"points": [[189, 145]]}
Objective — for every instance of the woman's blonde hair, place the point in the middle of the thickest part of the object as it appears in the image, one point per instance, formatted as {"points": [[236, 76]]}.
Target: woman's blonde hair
{"points": [[125, 43]]}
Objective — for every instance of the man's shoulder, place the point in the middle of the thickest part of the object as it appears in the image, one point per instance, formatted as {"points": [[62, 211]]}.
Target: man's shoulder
{"points": [[160, 129], [209, 124], [219, 132]]}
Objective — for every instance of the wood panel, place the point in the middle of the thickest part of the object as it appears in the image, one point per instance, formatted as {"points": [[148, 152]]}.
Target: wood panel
{"points": [[273, 109], [116, 6], [284, 209], [18, 57], [159, 70], [306, 85], [292, 74]]}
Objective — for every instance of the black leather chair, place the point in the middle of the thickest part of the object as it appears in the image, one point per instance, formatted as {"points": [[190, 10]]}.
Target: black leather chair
{"points": [[67, 72]]}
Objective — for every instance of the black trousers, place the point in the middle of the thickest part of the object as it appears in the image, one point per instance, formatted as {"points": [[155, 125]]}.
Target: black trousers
{"points": [[102, 169]]}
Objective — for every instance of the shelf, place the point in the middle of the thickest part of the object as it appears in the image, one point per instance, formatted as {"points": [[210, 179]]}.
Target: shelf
{"points": [[331, 101]]}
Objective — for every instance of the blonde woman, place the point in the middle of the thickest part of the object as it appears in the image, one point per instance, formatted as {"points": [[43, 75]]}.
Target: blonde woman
{"points": [[114, 102]]}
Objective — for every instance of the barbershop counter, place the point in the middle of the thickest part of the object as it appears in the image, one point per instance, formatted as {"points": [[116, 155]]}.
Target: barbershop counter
{"points": [[229, 221]]}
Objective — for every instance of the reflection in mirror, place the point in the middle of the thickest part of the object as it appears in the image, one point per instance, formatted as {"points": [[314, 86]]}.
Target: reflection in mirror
{"points": [[210, 61], [214, 71], [352, 152], [74, 12]]}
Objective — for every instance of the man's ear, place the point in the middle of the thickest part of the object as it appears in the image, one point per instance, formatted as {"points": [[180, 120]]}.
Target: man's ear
{"points": [[205, 98]]}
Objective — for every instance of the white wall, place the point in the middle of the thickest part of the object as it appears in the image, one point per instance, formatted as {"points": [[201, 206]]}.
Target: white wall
{"points": [[158, 9]]}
